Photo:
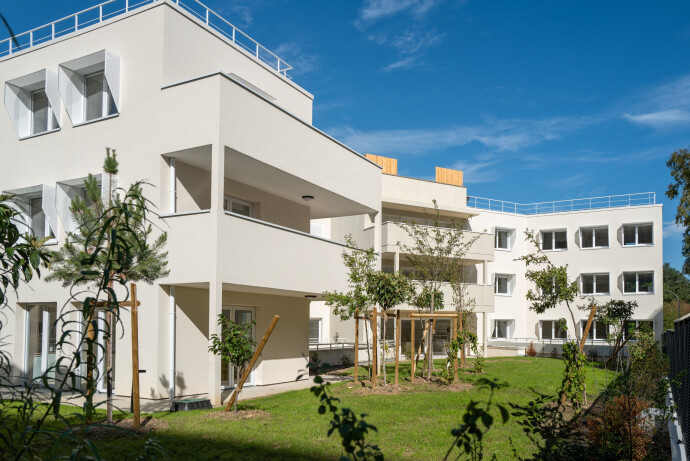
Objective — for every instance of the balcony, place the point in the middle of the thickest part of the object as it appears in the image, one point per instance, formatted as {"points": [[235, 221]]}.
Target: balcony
{"points": [[417, 195], [481, 250], [483, 296]]}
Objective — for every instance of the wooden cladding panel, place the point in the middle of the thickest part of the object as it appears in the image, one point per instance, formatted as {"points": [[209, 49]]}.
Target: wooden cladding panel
{"points": [[389, 165], [448, 176]]}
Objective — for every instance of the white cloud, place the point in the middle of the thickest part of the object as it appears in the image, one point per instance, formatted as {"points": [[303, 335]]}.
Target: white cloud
{"points": [[672, 230], [478, 171], [661, 119], [663, 107], [376, 10], [292, 53], [409, 46]]}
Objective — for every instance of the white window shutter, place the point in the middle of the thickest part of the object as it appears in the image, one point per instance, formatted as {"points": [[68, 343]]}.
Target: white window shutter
{"points": [[18, 104], [112, 75], [22, 220], [53, 94], [71, 87], [48, 205], [63, 201]]}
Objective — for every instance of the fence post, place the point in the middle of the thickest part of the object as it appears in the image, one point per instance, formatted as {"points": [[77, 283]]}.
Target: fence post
{"points": [[52, 31]]}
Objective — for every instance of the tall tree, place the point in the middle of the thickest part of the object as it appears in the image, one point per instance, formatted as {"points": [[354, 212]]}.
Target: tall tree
{"points": [[387, 290], [350, 304], [430, 254], [676, 282], [679, 164]]}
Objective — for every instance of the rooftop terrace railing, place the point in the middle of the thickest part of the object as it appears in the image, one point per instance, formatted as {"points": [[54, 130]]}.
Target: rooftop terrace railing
{"points": [[112, 8], [561, 206]]}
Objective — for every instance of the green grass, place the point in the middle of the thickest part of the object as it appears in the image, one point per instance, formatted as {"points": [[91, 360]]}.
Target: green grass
{"points": [[413, 425]]}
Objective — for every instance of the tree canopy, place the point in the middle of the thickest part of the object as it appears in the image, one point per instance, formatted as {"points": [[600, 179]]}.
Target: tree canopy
{"points": [[679, 164]]}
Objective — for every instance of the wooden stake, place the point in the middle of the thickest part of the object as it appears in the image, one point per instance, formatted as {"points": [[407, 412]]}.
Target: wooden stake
{"points": [[374, 318], [412, 363], [356, 343], [430, 325], [587, 327], [90, 362], [397, 346], [135, 356], [461, 330], [249, 367]]}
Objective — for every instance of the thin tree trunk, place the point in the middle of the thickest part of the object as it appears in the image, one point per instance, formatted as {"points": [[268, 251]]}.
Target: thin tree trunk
{"points": [[366, 334], [430, 340], [90, 365], [109, 366], [384, 349]]}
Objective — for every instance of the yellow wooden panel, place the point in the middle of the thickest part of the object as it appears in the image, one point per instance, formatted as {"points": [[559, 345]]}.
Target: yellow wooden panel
{"points": [[448, 176], [389, 165]]}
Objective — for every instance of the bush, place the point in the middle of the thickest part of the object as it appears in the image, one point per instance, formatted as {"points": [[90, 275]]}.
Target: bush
{"points": [[620, 432], [531, 351]]}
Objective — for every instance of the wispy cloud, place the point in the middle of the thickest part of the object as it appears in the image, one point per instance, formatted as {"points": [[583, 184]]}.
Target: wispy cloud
{"points": [[301, 61], [409, 46], [663, 107], [672, 230], [478, 171], [376, 10]]}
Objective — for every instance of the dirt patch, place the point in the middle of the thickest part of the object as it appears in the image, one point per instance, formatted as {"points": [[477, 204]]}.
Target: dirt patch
{"points": [[238, 415], [125, 428], [418, 386]]}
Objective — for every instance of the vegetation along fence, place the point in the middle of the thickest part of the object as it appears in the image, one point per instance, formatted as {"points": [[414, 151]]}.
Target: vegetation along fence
{"points": [[678, 350]]}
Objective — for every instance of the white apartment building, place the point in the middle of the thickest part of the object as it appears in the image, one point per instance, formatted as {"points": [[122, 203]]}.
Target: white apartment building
{"points": [[212, 120], [611, 245]]}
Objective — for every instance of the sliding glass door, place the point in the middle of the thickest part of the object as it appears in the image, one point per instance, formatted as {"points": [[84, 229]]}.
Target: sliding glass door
{"points": [[40, 345], [238, 314]]}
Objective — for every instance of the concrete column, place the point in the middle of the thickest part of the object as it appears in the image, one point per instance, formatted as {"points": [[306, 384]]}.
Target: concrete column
{"points": [[396, 262], [377, 237], [485, 273], [215, 295], [485, 330], [173, 186]]}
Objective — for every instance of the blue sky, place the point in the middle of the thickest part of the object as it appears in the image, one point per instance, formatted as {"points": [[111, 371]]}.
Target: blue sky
{"points": [[535, 101]]}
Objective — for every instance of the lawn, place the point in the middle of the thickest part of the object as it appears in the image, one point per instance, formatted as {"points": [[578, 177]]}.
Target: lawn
{"points": [[411, 425]]}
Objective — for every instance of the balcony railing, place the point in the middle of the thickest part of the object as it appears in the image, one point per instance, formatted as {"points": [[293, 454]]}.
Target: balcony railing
{"points": [[112, 8], [560, 206]]}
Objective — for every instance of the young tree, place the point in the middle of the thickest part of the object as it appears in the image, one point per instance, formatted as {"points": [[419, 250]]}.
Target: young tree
{"points": [[422, 301], [235, 344], [616, 313], [679, 164], [74, 264], [387, 290], [356, 301], [431, 253], [459, 279]]}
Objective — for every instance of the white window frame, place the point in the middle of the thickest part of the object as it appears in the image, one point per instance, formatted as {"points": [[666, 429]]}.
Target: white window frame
{"points": [[554, 323], [637, 283], [553, 239], [320, 321], [227, 204], [594, 282], [593, 329], [511, 238], [105, 97], [509, 285], [637, 235], [52, 118], [509, 328], [594, 238]]}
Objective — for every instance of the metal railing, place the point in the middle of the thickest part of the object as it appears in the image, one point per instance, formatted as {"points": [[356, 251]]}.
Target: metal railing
{"points": [[560, 206], [112, 8], [677, 345]]}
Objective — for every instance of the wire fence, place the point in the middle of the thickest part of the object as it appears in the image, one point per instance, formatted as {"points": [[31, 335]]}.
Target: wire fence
{"points": [[677, 343]]}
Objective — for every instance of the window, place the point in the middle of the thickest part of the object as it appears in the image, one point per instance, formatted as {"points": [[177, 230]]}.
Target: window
{"points": [[314, 330], [637, 234], [98, 102], [554, 240], [238, 206], [37, 218], [42, 115], [503, 239], [594, 284], [502, 329], [551, 329], [632, 325], [638, 282], [503, 284], [598, 330], [594, 237]]}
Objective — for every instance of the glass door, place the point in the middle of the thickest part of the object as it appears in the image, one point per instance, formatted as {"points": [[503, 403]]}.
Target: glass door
{"points": [[229, 375], [41, 339]]}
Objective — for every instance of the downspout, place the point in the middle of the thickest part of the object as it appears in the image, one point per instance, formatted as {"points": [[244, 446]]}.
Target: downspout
{"points": [[171, 329]]}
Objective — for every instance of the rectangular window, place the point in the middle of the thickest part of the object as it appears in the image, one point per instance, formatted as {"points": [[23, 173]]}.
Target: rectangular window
{"points": [[42, 115], [503, 239], [502, 329], [595, 237], [314, 330], [554, 240], [638, 282], [637, 234], [239, 206], [37, 219], [594, 284], [631, 326], [598, 330], [551, 329], [98, 101], [502, 284]]}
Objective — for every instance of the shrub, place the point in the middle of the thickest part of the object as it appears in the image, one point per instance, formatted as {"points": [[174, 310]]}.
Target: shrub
{"points": [[479, 361], [620, 432], [531, 351]]}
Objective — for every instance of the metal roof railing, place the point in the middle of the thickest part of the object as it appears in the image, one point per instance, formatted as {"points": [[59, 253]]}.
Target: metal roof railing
{"points": [[561, 206], [112, 8]]}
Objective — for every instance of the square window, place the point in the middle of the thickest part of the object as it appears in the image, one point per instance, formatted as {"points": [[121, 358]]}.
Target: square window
{"points": [[560, 240], [601, 237], [503, 239], [644, 234], [554, 240], [638, 234], [502, 284], [645, 282], [638, 282], [602, 283], [501, 329]]}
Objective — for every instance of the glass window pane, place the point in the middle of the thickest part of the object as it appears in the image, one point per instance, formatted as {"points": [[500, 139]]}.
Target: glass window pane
{"points": [[644, 234], [583, 325], [561, 241], [94, 97], [602, 330], [560, 332], [501, 330], [602, 283], [502, 238], [546, 329], [629, 283], [41, 112], [587, 284], [601, 237], [38, 218], [241, 208], [547, 240], [629, 235], [314, 330], [587, 238], [502, 285], [646, 282]]}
